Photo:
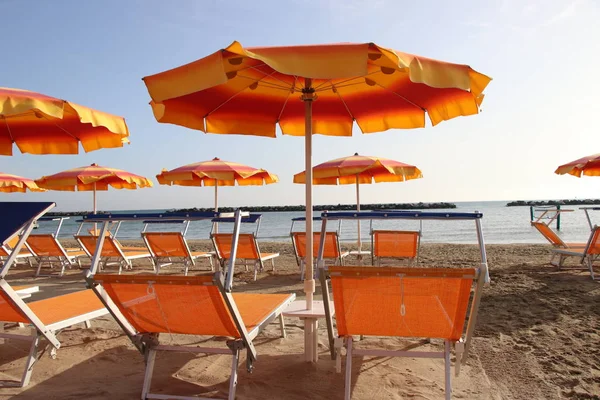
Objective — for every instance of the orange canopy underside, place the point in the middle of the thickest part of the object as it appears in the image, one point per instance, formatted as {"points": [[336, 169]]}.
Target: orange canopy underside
{"points": [[223, 173], [40, 124], [13, 183], [366, 169], [249, 91], [589, 165], [84, 178]]}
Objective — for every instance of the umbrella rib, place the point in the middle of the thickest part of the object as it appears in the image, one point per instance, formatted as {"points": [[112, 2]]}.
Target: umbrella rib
{"points": [[286, 100], [340, 83], [9, 131], [267, 84], [402, 97], [345, 105], [61, 128]]}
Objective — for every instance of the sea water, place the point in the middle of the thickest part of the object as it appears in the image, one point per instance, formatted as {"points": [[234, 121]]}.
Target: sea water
{"points": [[501, 225]]}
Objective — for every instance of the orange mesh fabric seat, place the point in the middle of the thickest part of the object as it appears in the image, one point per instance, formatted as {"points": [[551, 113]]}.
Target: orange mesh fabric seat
{"points": [[169, 248], [403, 302], [24, 254], [112, 252], [587, 254], [331, 251], [395, 244], [556, 242], [247, 250], [48, 250], [193, 305]]}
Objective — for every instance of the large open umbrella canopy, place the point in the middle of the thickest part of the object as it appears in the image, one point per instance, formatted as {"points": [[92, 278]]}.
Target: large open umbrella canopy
{"points": [[589, 166], [92, 178], [250, 91], [358, 169], [13, 183], [216, 172], [40, 124]]}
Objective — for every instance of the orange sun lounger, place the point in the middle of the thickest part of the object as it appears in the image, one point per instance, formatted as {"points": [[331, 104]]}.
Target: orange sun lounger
{"points": [[332, 250], [557, 243], [247, 250], [24, 254], [112, 252], [395, 244], [169, 248], [587, 254], [146, 306], [48, 250], [404, 302]]}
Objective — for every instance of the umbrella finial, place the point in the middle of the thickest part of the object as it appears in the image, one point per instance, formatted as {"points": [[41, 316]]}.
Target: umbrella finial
{"points": [[216, 159], [93, 165], [355, 154]]}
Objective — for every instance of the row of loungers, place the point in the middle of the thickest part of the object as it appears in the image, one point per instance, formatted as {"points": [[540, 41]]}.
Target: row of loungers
{"points": [[418, 303]]}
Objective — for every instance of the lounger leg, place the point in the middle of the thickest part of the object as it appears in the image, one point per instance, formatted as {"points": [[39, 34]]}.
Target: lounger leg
{"points": [[301, 270], [273, 264], [447, 368], [233, 380], [88, 324], [256, 265], [282, 325], [31, 360], [348, 385], [150, 358], [590, 263]]}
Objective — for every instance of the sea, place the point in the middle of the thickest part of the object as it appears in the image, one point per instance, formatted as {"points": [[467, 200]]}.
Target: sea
{"points": [[501, 225]]}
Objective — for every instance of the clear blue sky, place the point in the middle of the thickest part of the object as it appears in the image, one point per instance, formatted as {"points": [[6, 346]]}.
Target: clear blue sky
{"points": [[541, 109]]}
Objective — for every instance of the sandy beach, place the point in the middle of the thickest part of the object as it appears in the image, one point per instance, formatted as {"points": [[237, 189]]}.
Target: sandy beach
{"points": [[537, 338]]}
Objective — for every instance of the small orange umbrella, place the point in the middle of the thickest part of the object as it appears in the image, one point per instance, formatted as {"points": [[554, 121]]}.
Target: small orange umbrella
{"points": [[360, 169], [40, 124], [92, 178], [589, 166], [13, 183], [216, 172]]}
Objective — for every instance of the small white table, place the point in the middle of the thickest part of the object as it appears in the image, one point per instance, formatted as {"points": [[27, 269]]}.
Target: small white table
{"points": [[311, 325]]}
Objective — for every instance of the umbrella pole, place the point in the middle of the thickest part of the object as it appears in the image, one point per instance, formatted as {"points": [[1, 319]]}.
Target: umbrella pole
{"points": [[95, 224], [216, 227], [358, 220], [309, 282]]}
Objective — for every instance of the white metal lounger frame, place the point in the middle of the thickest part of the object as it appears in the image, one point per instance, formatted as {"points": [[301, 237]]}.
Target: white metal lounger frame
{"points": [[297, 219], [148, 344], [586, 258], [47, 331], [64, 260], [461, 347]]}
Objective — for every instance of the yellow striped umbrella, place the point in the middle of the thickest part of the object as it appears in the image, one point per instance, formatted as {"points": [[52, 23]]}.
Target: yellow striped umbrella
{"points": [[589, 166], [40, 124], [360, 169], [13, 183], [92, 178], [250, 91], [216, 172]]}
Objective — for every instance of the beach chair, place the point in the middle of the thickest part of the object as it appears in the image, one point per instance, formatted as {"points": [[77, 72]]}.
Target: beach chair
{"points": [[146, 306], [112, 252], [557, 243], [48, 250], [394, 244], [420, 303], [168, 248], [24, 255], [47, 316], [332, 250], [247, 251], [587, 254]]}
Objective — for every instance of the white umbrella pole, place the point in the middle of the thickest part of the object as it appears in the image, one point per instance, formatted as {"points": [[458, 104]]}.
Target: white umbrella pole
{"points": [[95, 224], [357, 210], [216, 227]]}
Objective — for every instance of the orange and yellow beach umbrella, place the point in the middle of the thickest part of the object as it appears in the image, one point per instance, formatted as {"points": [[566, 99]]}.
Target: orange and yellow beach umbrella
{"points": [[317, 89], [92, 178], [13, 184], [40, 124], [589, 166], [358, 170], [216, 172]]}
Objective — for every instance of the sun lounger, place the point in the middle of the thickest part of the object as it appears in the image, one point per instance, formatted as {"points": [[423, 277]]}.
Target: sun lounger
{"points": [[557, 242], [169, 248], [150, 305], [47, 316], [248, 250], [24, 255], [332, 250], [48, 250], [395, 244], [587, 254], [112, 252]]}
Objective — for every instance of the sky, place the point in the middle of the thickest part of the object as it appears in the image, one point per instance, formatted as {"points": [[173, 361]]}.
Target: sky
{"points": [[541, 109]]}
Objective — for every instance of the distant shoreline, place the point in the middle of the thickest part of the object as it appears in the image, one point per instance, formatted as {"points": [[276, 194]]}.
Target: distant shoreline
{"points": [[582, 202]]}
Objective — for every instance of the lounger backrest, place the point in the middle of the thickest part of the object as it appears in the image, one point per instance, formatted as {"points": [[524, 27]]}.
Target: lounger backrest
{"points": [[9, 312], [395, 243], [331, 250], [246, 245], [10, 244], [166, 244], [593, 246], [109, 249], [404, 302], [170, 304], [549, 234], [45, 245]]}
